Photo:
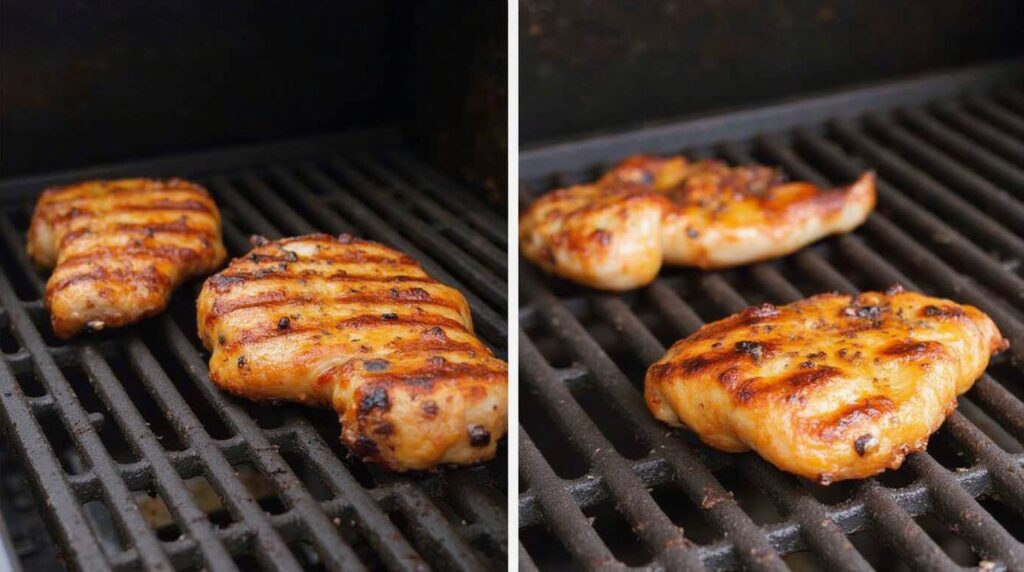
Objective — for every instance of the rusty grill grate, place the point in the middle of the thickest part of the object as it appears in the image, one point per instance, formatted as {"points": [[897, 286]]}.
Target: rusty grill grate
{"points": [[137, 461], [605, 486]]}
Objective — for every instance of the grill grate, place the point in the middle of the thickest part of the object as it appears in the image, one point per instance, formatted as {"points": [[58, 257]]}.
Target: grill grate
{"points": [[142, 462], [607, 486]]}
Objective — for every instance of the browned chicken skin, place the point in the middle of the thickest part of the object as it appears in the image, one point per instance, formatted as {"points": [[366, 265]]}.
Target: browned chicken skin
{"points": [[354, 325], [120, 248], [614, 234], [831, 387]]}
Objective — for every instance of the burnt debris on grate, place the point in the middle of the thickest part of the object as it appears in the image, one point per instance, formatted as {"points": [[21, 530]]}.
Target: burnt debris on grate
{"points": [[609, 487], [136, 460]]}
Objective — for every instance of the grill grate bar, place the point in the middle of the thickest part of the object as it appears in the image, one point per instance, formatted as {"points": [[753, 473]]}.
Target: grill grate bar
{"points": [[992, 110], [116, 495], [561, 512], [929, 191], [431, 240], [692, 476], [981, 131], [978, 158], [660, 535], [477, 244], [188, 427], [424, 177]]}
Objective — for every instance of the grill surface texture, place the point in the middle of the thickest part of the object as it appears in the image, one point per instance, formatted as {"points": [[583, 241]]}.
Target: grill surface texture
{"points": [[605, 486], [134, 458]]}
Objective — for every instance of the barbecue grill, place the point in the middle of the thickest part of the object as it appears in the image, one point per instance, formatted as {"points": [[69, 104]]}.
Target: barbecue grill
{"points": [[134, 459], [606, 486]]}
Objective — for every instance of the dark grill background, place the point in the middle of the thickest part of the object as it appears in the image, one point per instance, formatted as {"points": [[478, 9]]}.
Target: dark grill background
{"points": [[113, 428], [604, 485]]}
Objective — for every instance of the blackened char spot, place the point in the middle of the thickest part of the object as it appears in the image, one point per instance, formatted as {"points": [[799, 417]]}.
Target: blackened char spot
{"points": [[862, 442], [430, 408], [389, 316], [376, 364], [364, 447], [384, 429], [241, 361], [437, 333], [754, 349], [377, 398], [221, 339], [479, 436], [284, 323]]}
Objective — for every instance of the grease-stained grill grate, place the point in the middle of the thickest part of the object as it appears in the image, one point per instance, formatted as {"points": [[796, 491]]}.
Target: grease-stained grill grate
{"points": [[605, 486], [137, 460]]}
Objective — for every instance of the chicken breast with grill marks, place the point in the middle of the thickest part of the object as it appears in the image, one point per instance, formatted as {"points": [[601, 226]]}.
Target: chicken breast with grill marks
{"points": [[356, 326], [120, 248], [829, 388], [616, 233]]}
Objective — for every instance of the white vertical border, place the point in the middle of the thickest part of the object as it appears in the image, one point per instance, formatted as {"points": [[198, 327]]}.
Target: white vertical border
{"points": [[513, 285]]}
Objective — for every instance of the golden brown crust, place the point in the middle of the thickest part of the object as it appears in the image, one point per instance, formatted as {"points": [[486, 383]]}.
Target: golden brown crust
{"points": [[615, 233], [354, 325], [832, 387], [120, 248]]}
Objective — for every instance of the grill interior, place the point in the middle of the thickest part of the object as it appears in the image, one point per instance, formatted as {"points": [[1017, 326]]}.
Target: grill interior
{"points": [[133, 459], [606, 486]]}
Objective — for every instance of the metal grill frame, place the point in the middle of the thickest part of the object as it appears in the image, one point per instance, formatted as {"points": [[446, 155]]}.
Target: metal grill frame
{"points": [[826, 140], [363, 183]]}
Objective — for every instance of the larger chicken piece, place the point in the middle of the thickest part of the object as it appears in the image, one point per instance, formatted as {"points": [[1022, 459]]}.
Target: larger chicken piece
{"points": [[120, 248], [616, 233], [832, 387], [358, 327]]}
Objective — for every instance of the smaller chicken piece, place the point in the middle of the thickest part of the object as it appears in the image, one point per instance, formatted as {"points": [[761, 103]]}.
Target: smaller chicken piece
{"points": [[616, 233], [831, 387], [121, 248]]}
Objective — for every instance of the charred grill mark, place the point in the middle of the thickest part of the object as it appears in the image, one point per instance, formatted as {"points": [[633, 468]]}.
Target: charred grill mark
{"points": [[223, 280], [422, 380], [345, 257], [373, 397], [866, 409], [144, 229], [942, 312], [147, 277], [479, 436], [913, 350], [365, 447], [430, 409], [256, 336], [811, 377], [278, 298], [748, 317], [172, 253]]}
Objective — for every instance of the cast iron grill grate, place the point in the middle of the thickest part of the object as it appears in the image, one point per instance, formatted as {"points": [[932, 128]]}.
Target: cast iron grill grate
{"points": [[137, 461], [606, 486]]}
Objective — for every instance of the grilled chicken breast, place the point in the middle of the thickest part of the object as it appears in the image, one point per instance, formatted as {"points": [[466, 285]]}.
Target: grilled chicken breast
{"points": [[831, 387], [616, 233], [354, 325], [120, 248]]}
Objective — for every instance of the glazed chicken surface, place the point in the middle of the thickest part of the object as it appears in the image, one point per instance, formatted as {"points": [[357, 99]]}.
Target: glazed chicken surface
{"points": [[831, 387], [120, 248], [358, 327], [615, 234]]}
